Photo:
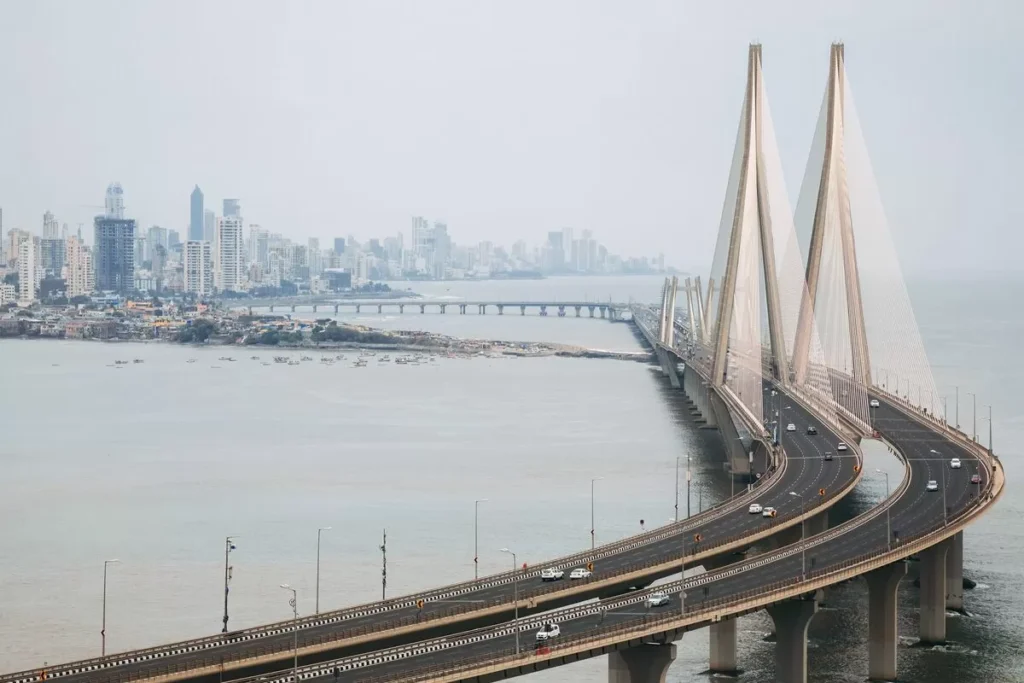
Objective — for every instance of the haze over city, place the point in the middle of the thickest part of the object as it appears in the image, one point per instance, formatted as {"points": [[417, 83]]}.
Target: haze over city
{"points": [[503, 121]]}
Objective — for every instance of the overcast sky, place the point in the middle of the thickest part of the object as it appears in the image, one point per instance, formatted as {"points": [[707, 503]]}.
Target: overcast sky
{"points": [[504, 119]]}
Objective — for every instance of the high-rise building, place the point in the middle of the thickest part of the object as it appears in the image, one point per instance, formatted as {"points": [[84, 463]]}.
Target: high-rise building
{"points": [[173, 238], [232, 209], [155, 237], [29, 273], [3, 252], [114, 254], [441, 251], [14, 239], [51, 229], [229, 271], [115, 201], [198, 272], [339, 245], [79, 278], [259, 245], [195, 223], [51, 256], [210, 227], [314, 257]]}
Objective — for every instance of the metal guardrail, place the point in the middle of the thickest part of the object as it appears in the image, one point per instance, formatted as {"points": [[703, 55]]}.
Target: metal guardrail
{"points": [[711, 610], [211, 643]]}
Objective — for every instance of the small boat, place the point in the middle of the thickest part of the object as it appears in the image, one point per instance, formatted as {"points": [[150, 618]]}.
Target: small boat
{"points": [[266, 363], [227, 358], [306, 358], [138, 360], [293, 362], [254, 357], [280, 359], [120, 362], [191, 360]]}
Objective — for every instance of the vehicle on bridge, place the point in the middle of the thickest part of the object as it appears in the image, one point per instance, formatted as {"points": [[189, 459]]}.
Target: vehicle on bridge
{"points": [[873, 403], [791, 427], [580, 573], [658, 599], [768, 512], [828, 456], [552, 574], [549, 631], [811, 430], [842, 447], [755, 508], [955, 463], [932, 485]]}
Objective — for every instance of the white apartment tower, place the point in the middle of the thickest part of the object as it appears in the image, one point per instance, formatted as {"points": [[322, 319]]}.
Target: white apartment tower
{"points": [[81, 280], [198, 267], [229, 273], [29, 272]]}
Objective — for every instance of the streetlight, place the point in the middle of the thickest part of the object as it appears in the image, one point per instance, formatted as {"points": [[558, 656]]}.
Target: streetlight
{"points": [[989, 418], [803, 527], [294, 602], [103, 628], [688, 477], [957, 419], [888, 521], [942, 470], [592, 510], [228, 547], [318, 531], [476, 537], [515, 594], [677, 488], [974, 414], [945, 411]]}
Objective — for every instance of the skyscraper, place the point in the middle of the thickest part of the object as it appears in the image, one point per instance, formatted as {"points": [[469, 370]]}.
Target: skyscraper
{"points": [[198, 267], [29, 273], [232, 209], [155, 237], [195, 224], [209, 227], [114, 254], [51, 247], [80, 280], [259, 240], [115, 201], [51, 229], [229, 257]]}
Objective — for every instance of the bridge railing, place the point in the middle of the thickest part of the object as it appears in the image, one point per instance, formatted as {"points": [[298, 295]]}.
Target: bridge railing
{"points": [[210, 644], [710, 610]]}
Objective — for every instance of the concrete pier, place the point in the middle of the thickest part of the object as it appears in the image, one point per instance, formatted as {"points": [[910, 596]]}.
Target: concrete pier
{"points": [[646, 663], [933, 594], [955, 572], [722, 658], [883, 636], [791, 621]]}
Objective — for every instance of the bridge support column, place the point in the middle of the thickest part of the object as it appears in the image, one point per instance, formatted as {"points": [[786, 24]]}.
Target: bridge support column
{"points": [[646, 663], [250, 311], [293, 308], [423, 309], [359, 308], [482, 310], [501, 309], [543, 310], [723, 647], [668, 367], [883, 635], [401, 308], [578, 311], [818, 524], [522, 310], [335, 309], [604, 310], [955, 573], [739, 458], [443, 307], [933, 594], [561, 311], [791, 621], [271, 308], [698, 393], [314, 308], [380, 308], [591, 311]]}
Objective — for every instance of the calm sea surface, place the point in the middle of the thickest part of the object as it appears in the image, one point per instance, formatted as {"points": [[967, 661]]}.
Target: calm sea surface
{"points": [[156, 462]]}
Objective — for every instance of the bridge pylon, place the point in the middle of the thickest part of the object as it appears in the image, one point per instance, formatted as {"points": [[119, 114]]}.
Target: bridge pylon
{"points": [[743, 311]]}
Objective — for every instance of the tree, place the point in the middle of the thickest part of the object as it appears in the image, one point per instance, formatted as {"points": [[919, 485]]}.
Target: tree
{"points": [[198, 332]]}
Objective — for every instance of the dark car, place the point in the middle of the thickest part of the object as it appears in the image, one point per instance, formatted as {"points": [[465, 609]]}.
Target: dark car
{"points": [[828, 455], [812, 430]]}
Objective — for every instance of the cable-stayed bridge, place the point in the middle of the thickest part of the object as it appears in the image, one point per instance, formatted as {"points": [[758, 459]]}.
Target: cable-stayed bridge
{"points": [[801, 313]]}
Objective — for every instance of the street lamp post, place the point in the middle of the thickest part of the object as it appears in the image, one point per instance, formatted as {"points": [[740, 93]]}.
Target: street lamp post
{"points": [[592, 542], [677, 488], [294, 602], [228, 547], [318, 532], [888, 521], [803, 528], [103, 627], [974, 415], [515, 594], [945, 411], [989, 428], [942, 470], [476, 537], [688, 477]]}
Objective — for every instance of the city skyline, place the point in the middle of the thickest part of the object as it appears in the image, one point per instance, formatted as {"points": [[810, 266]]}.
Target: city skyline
{"points": [[587, 119]]}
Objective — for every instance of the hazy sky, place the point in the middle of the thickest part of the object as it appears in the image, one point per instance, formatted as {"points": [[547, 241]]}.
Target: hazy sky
{"points": [[504, 119]]}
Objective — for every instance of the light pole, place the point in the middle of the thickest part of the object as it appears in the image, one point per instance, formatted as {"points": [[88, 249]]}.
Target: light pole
{"points": [[945, 411], [515, 594], [974, 415], [677, 488], [592, 543], [942, 470], [989, 427], [294, 602], [103, 628], [318, 532], [476, 537], [688, 477], [228, 547], [888, 521], [803, 527]]}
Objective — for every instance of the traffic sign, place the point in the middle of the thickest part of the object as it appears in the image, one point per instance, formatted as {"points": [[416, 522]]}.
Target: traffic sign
{"points": [[821, 492], [419, 603], [590, 566], [697, 538]]}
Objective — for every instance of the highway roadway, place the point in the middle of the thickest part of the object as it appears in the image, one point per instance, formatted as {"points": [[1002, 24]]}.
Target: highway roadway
{"points": [[913, 511], [805, 473]]}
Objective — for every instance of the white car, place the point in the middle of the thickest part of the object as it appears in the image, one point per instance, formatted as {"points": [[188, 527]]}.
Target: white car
{"points": [[955, 463], [873, 403], [755, 508], [841, 446], [932, 485], [580, 573], [768, 512], [791, 427], [657, 599], [549, 631], [551, 574]]}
